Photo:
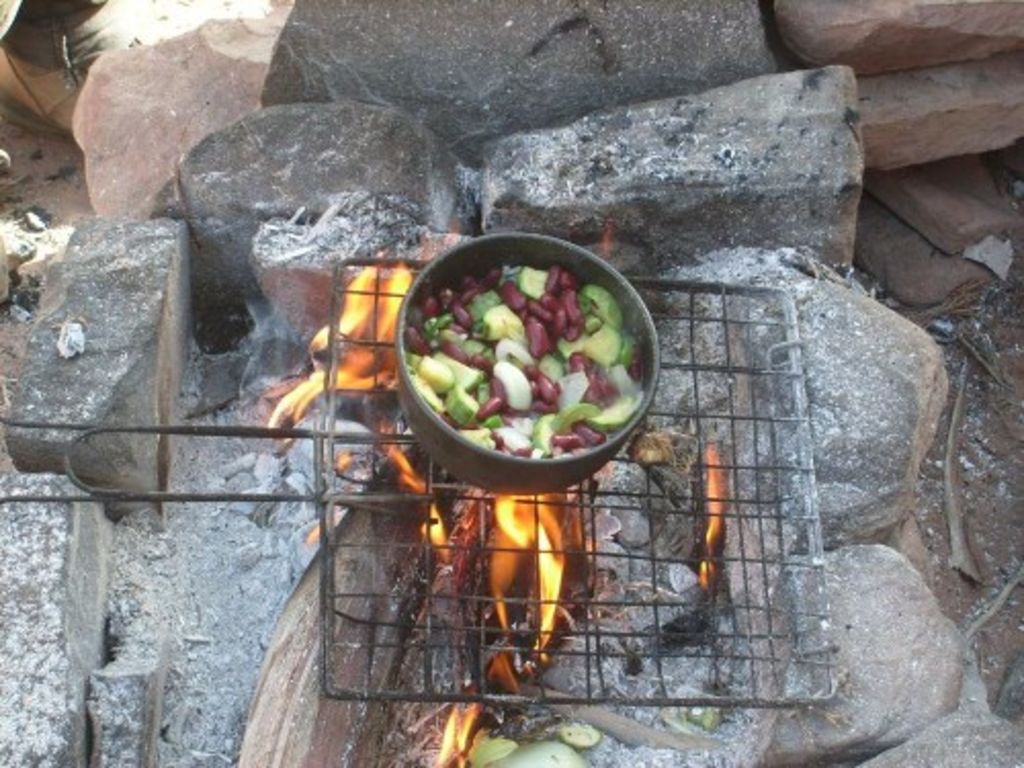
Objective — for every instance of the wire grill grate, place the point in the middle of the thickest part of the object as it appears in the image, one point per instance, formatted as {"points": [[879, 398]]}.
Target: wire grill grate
{"points": [[404, 620]]}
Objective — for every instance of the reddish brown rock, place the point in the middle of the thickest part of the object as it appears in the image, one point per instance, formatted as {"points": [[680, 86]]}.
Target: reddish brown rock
{"points": [[956, 109], [953, 203], [908, 267], [141, 109], [875, 36]]}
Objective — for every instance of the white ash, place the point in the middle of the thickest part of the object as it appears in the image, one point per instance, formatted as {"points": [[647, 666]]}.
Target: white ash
{"points": [[71, 339]]}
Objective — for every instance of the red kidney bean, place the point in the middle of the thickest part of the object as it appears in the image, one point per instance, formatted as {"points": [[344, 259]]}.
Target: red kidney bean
{"points": [[431, 307], [511, 295], [468, 281], [550, 302], [539, 312], [567, 442], [497, 388], [547, 389], [573, 331], [455, 327], [554, 276], [461, 314], [455, 352], [490, 408], [537, 338], [577, 362], [592, 395], [531, 372], [636, 369], [498, 442], [606, 389], [446, 296], [539, 406], [481, 362], [572, 308], [568, 280], [588, 435], [524, 453], [533, 389], [469, 294], [491, 278], [557, 326], [415, 341]]}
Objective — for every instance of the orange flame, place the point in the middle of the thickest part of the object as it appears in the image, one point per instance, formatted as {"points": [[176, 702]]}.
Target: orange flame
{"points": [[370, 314], [717, 490], [411, 480], [522, 527], [458, 733]]}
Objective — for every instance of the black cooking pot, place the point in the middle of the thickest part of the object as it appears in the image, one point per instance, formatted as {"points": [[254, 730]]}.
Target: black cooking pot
{"points": [[493, 470]]}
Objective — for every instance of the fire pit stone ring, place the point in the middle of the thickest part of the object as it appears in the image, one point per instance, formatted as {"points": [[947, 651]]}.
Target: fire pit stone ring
{"points": [[495, 471]]}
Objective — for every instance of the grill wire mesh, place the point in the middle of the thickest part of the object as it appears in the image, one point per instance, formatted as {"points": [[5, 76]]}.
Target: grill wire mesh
{"points": [[403, 620]]}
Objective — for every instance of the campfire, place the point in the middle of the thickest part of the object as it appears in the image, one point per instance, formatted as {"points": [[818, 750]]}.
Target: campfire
{"points": [[496, 601]]}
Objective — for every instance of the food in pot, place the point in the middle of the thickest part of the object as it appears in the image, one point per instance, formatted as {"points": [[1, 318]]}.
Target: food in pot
{"points": [[531, 362]]}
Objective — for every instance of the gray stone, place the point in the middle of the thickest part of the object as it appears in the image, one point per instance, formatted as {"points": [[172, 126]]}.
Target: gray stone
{"points": [[125, 707], [5, 278], [953, 109], [898, 663], [278, 160], [474, 71], [127, 284], [962, 739], [883, 35], [1010, 703], [876, 385], [908, 267], [293, 263], [52, 585], [771, 161]]}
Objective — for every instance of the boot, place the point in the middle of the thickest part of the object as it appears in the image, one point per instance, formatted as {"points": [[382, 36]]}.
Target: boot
{"points": [[46, 53]]}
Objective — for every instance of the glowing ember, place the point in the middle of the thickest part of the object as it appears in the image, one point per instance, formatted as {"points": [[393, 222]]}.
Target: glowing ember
{"points": [[369, 314], [458, 736], [524, 527], [717, 491]]}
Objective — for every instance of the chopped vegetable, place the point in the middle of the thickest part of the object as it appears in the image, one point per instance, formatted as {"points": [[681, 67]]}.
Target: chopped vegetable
{"points": [[602, 304], [604, 346], [532, 281], [439, 376], [569, 416], [542, 754], [483, 302], [427, 393], [551, 367], [461, 406], [487, 751], [614, 416], [579, 735], [466, 377], [501, 322], [517, 386]]}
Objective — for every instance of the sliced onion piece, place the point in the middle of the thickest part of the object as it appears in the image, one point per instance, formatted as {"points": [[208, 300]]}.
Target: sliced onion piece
{"points": [[511, 348], [573, 387], [523, 425], [627, 386], [513, 439], [517, 386]]}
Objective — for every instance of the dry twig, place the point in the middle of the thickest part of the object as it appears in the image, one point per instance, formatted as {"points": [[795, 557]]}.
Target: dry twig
{"points": [[995, 605], [960, 556]]}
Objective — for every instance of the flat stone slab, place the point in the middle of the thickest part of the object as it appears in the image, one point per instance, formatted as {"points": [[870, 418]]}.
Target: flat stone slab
{"points": [[132, 135], [768, 162], [953, 109], [52, 585], [884, 35], [876, 384], [953, 203], [474, 71], [907, 266], [898, 664], [126, 283], [278, 160], [959, 740]]}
